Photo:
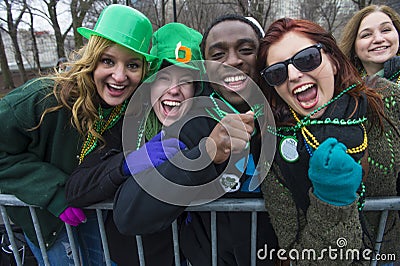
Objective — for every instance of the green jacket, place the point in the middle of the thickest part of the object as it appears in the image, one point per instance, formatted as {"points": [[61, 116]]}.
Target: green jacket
{"points": [[324, 225], [34, 164]]}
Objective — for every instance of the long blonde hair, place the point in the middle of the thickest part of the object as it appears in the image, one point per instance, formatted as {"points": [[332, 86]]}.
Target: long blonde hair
{"points": [[75, 89]]}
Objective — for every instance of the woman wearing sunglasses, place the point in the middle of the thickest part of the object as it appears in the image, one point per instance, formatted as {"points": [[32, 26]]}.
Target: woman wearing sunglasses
{"points": [[328, 123]]}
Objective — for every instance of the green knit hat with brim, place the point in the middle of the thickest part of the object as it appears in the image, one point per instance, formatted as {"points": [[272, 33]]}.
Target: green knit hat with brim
{"points": [[125, 26], [178, 45]]}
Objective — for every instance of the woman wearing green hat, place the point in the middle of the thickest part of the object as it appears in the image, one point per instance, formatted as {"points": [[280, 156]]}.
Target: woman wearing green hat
{"points": [[160, 101], [51, 124]]}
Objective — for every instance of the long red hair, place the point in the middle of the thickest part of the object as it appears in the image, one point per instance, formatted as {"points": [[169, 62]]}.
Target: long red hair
{"points": [[346, 76]]}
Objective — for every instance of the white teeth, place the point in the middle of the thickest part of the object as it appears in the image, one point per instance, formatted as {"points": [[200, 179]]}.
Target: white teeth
{"points": [[171, 103], [117, 87], [234, 79], [380, 48], [302, 88]]}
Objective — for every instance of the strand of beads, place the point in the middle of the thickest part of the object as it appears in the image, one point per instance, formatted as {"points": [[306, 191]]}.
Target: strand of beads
{"points": [[100, 126], [361, 199], [326, 121], [140, 133], [363, 146], [314, 143], [257, 109], [397, 74], [307, 117], [113, 117], [308, 148], [392, 78], [337, 121], [218, 110], [274, 131]]}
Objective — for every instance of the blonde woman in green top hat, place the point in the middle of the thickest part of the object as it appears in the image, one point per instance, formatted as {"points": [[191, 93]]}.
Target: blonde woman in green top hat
{"points": [[51, 124], [160, 101]]}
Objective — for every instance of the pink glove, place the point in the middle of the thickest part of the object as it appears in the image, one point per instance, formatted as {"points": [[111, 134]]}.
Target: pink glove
{"points": [[73, 216]]}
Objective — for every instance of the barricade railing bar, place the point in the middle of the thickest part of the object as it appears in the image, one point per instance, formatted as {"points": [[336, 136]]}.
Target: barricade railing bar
{"points": [[381, 204]]}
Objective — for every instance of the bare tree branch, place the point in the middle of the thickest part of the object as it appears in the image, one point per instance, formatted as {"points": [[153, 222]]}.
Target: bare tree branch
{"points": [[13, 32]]}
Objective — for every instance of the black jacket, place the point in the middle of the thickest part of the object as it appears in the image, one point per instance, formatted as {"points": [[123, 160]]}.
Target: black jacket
{"points": [[97, 179], [137, 212], [392, 69]]}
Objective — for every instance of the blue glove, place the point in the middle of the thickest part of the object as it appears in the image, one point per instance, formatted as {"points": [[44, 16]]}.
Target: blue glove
{"points": [[334, 174], [152, 154]]}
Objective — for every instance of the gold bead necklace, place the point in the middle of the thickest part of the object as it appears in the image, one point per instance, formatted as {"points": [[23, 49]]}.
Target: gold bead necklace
{"points": [[314, 143], [100, 126]]}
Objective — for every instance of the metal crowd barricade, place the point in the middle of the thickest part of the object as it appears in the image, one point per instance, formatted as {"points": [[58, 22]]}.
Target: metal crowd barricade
{"points": [[384, 205]]}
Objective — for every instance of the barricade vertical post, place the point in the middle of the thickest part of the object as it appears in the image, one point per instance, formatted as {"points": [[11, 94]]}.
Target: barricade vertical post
{"points": [[214, 238], [39, 235], [139, 244], [253, 238], [379, 236], [71, 240], [175, 238], [103, 236], [10, 235]]}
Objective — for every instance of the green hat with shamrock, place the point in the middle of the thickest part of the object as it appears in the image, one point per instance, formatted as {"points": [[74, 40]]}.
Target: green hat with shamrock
{"points": [[176, 44]]}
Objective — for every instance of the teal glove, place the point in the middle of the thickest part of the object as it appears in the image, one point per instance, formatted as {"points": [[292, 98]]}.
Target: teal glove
{"points": [[334, 174]]}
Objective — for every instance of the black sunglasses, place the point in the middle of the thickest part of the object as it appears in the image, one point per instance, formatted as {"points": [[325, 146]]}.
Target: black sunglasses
{"points": [[305, 60]]}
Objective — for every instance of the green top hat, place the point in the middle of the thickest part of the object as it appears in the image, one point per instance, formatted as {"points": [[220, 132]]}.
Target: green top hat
{"points": [[125, 26], [177, 44]]}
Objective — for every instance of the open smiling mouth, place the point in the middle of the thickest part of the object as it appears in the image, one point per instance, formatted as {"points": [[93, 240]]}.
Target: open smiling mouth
{"points": [[377, 49], [115, 87], [171, 107], [306, 95], [236, 82]]}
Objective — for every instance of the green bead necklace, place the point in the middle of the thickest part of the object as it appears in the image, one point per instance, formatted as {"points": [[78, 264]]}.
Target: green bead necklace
{"points": [[100, 126], [306, 121], [140, 133], [288, 143], [257, 109], [302, 122], [361, 199], [394, 76]]}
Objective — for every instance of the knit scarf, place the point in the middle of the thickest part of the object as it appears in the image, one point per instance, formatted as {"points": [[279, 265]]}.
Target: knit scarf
{"points": [[295, 175], [153, 125]]}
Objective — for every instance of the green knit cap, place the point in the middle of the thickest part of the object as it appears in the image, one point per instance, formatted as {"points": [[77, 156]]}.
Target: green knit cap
{"points": [[177, 44]]}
